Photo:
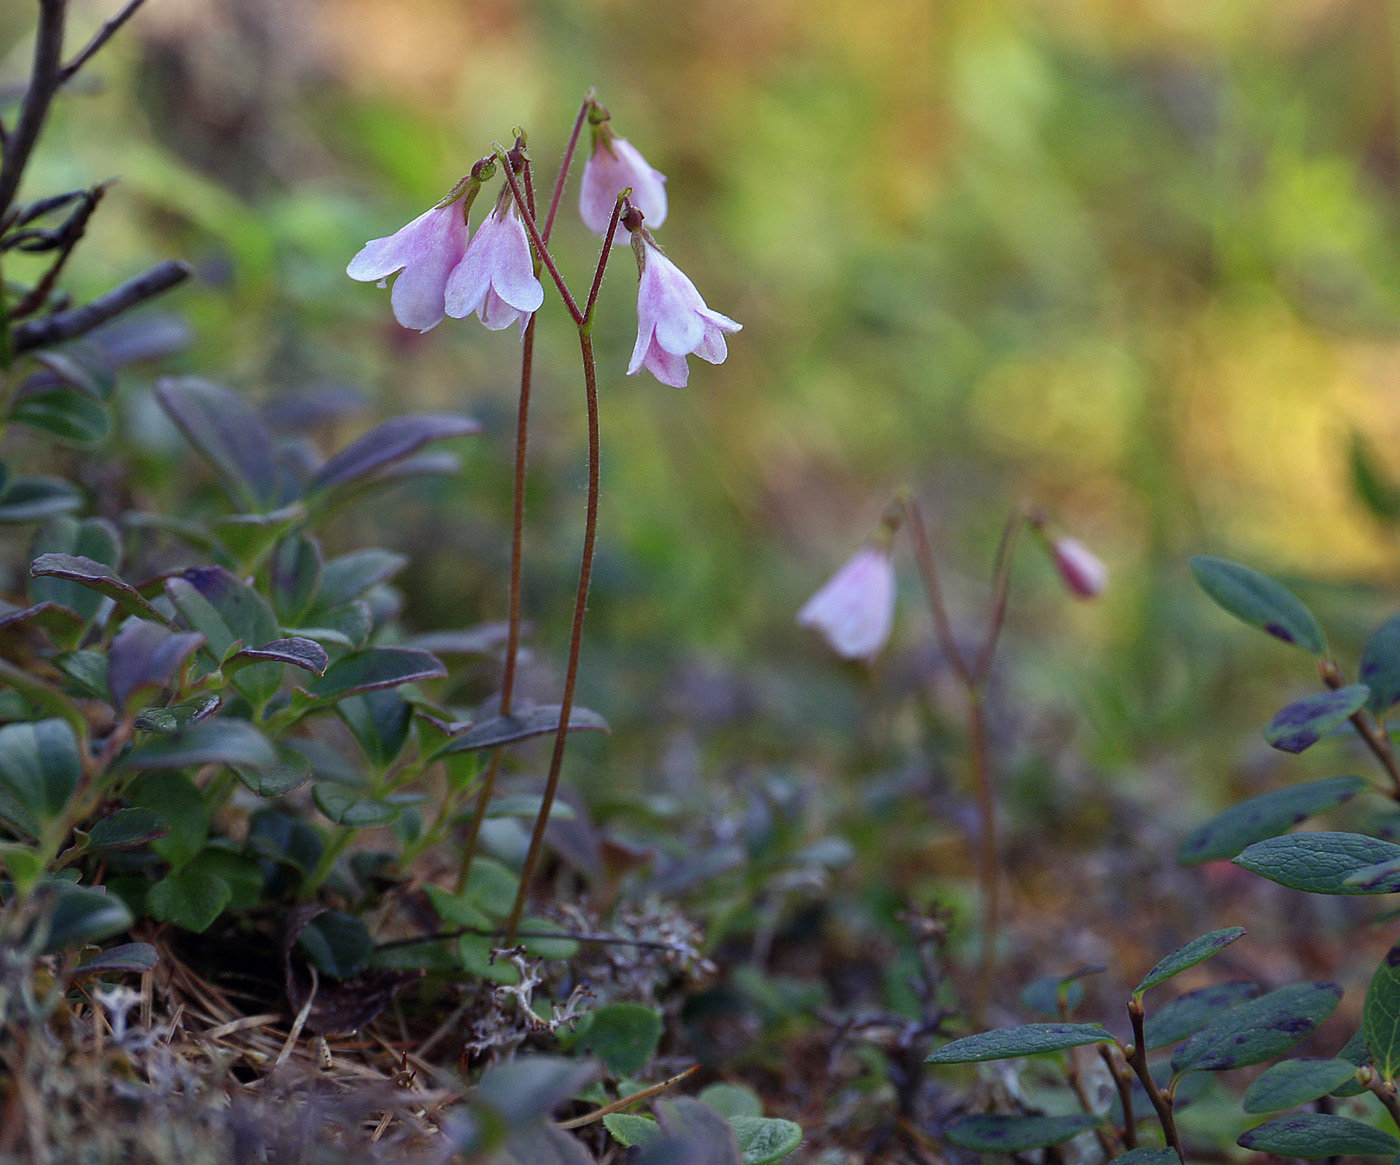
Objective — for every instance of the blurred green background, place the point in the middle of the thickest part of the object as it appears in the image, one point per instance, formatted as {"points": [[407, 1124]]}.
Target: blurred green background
{"points": [[1134, 261]]}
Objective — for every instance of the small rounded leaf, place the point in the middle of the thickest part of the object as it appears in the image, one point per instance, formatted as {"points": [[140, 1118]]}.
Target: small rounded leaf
{"points": [[1258, 600]]}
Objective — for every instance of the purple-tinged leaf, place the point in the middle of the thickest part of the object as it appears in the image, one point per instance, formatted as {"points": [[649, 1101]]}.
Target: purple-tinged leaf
{"points": [[1028, 1039], [1259, 1030], [59, 621], [131, 958], [33, 498], [127, 828], [539, 721], [392, 441], [1380, 1016], [1380, 665], [146, 655], [1304, 722], [100, 577], [230, 436], [220, 741], [1317, 1134], [1267, 815], [1258, 600], [1187, 1014], [374, 668], [351, 575], [486, 639], [1001, 1133], [306, 654], [177, 717]]}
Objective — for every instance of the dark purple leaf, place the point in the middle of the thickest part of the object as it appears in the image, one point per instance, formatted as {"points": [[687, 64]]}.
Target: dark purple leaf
{"points": [[376, 667], [221, 426], [100, 577], [146, 655], [392, 441], [306, 654], [523, 725]]}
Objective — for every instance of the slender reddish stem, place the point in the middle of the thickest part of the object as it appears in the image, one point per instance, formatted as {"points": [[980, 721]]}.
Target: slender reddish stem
{"points": [[541, 248], [565, 165]]}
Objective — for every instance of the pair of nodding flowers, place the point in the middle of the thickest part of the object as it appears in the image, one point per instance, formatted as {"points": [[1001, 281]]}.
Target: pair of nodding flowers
{"points": [[444, 272], [854, 609]]}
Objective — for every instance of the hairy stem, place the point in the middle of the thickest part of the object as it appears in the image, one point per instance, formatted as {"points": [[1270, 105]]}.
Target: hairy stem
{"points": [[1001, 588], [541, 247], [568, 161]]}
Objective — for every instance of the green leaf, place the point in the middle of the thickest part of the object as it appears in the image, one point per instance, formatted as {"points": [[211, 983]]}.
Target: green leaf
{"points": [[1267, 815], [1316, 1134], [39, 769], [174, 797], [71, 416], [562, 947], [99, 577], [1304, 722], [731, 1100], [1380, 666], [126, 828], [290, 772], [249, 537], [1294, 1082], [84, 367], [84, 914], [191, 898], [177, 717], [379, 721], [1148, 1157], [87, 670], [31, 499], [1376, 492], [351, 575], [337, 943], [1196, 951], [1380, 1016], [632, 1128], [623, 1035], [221, 741], [373, 668], [1322, 862], [1189, 1013], [392, 441], [1027, 1040], [996, 1133], [225, 610], [348, 805], [125, 958], [763, 1139], [1259, 601], [1050, 993], [539, 721], [93, 538], [1258, 1030], [296, 576], [230, 436]]}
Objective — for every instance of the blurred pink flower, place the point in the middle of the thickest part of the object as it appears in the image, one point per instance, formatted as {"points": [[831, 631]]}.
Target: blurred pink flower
{"points": [[854, 611], [1079, 568], [423, 253], [614, 166], [672, 320], [496, 277]]}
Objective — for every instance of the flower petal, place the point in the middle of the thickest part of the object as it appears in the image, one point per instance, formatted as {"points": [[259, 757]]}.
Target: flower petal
{"points": [[667, 367]]}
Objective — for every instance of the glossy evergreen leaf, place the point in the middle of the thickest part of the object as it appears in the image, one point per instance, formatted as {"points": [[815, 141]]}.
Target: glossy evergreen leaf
{"points": [[392, 441], [99, 577], [71, 416], [40, 768], [628, 1128], [146, 656], [1321, 862], [126, 828], [1294, 1082], [1304, 722], [1258, 1030], [34, 498], [93, 538], [296, 576], [306, 654], [177, 717], [764, 1139], [1258, 600], [373, 668], [997, 1133], [85, 368], [337, 943], [1316, 1134], [708, 1138], [181, 805], [1267, 815], [1196, 951], [351, 575], [220, 741], [539, 721], [125, 958], [249, 537], [228, 434], [191, 898], [1189, 1013], [291, 771], [1380, 665], [624, 1036], [87, 670], [227, 611], [1380, 1016], [62, 624], [350, 805], [84, 914], [379, 720], [1027, 1040], [1050, 993]]}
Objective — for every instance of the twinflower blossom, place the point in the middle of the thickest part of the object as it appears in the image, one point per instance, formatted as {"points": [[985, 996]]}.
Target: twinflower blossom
{"points": [[1082, 572], [496, 277], [424, 254], [672, 319], [612, 167], [854, 610]]}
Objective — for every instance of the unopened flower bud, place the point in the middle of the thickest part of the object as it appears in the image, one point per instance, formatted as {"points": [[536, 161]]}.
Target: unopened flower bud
{"points": [[1080, 569]]}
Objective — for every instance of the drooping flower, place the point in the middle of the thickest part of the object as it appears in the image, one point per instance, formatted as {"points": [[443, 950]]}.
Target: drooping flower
{"points": [[423, 253], [1079, 568], [672, 319], [854, 610], [496, 277], [612, 167]]}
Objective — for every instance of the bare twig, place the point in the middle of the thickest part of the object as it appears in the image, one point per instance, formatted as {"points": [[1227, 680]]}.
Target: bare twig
{"points": [[103, 35], [67, 325], [44, 81]]}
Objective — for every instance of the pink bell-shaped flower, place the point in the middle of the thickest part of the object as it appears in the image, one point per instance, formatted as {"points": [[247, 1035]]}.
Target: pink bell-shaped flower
{"points": [[496, 277], [1079, 568], [424, 254], [672, 319], [854, 610], [612, 167]]}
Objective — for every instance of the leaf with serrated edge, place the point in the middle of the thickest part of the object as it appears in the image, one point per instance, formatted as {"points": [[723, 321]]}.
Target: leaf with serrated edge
{"points": [[1027, 1040], [1316, 1134], [1258, 600], [1196, 951], [998, 1133], [1320, 862], [1267, 815], [1259, 1030]]}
